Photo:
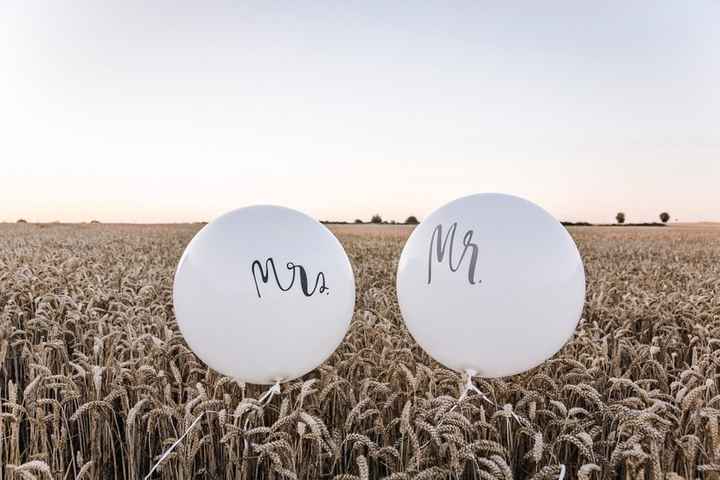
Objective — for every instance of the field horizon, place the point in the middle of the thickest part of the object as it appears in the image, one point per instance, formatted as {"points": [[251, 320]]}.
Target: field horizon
{"points": [[709, 223]]}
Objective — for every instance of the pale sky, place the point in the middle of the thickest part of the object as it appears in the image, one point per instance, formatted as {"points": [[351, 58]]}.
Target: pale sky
{"points": [[171, 111]]}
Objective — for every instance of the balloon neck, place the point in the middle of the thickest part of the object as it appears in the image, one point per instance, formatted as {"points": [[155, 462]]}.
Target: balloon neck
{"points": [[469, 374], [267, 396]]}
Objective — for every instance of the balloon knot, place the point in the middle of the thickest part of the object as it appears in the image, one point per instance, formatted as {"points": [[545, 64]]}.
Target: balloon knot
{"points": [[275, 389]]}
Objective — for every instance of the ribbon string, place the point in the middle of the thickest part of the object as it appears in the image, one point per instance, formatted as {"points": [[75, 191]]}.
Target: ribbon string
{"points": [[172, 447], [264, 399], [470, 387]]}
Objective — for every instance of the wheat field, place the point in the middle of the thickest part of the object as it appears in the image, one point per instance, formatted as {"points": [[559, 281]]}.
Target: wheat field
{"points": [[96, 381]]}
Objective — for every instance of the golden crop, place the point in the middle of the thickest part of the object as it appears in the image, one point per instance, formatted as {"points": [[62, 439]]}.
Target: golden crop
{"points": [[96, 381]]}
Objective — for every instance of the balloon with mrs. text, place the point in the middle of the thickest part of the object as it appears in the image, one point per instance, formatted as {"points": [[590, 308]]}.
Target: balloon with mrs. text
{"points": [[264, 294]]}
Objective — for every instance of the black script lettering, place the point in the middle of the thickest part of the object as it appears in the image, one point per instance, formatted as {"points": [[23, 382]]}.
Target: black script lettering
{"points": [[297, 271], [443, 246]]}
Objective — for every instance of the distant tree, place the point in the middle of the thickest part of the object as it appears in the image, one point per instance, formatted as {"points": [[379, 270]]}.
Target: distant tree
{"points": [[412, 220], [392, 222], [664, 217], [95, 221], [357, 220], [376, 219], [620, 217], [22, 220]]}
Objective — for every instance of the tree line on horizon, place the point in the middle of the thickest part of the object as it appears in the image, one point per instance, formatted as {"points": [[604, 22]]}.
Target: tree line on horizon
{"points": [[620, 217], [377, 220], [413, 220]]}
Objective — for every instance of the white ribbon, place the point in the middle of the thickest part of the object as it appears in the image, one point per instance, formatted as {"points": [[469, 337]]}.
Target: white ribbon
{"points": [[172, 447], [470, 386], [264, 399]]}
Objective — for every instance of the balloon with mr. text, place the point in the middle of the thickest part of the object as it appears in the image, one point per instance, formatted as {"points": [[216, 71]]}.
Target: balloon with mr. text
{"points": [[264, 294], [491, 283]]}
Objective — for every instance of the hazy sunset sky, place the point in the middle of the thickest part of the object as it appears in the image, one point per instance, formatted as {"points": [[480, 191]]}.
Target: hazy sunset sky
{"points": [[177, 111]]}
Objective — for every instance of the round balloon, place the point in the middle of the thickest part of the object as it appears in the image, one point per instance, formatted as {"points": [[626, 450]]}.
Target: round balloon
{"points": [[264, 294], [491, 283]]}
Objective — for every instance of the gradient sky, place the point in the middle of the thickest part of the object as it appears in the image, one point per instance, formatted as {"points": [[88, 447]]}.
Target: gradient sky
{"points": [[178, 111]]}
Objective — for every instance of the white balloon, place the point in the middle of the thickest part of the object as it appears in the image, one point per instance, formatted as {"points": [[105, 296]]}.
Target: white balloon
{"points": [[264, 294], [491, 283]]}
